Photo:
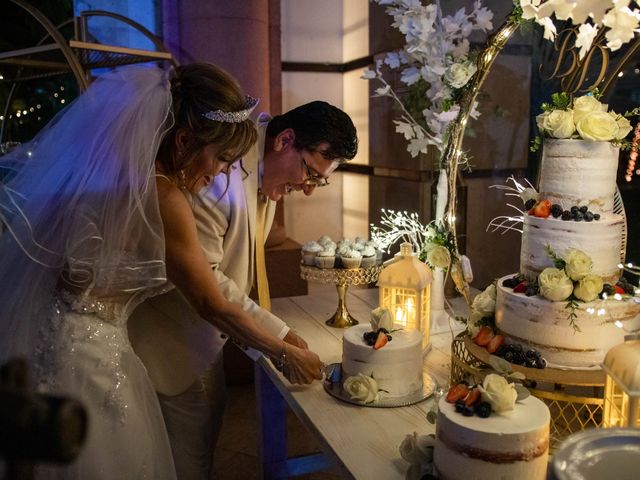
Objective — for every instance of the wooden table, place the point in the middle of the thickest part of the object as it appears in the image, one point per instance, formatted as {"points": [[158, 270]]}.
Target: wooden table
{"points": [[360, 442]]}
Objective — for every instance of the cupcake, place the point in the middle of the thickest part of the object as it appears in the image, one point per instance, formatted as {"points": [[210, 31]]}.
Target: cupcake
{"points": [[328, 244], [325, 258], [351, 259], [376, 247], [309, 252], [324, 239], [368, 257]]}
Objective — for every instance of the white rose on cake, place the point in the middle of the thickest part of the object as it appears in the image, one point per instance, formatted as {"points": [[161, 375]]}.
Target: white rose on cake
{"points": [[438, 256], [588, 288], [381, 318], [598, 127], [485, 302], [624, 125], [501, 394], [558, 123], [555, 285], [585, 106], [577, 263], [361, 388]]}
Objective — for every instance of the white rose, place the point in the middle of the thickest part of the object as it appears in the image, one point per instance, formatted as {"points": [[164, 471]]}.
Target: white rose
{"points": [[555, 285], [557, 123], [501, 394], [485, 302], [361, 388], [578, 263], [588, 288], [624, 125], [381, 318], [585, 106], [438, 256], [417, 448], [598, 127], [458, 74]]}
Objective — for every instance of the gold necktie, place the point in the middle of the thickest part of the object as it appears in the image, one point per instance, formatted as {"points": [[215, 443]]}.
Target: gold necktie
{"points": [[262, 284]]}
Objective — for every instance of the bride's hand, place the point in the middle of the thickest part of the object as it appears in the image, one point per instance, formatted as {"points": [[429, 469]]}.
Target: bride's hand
{"points": [[302, 366]]}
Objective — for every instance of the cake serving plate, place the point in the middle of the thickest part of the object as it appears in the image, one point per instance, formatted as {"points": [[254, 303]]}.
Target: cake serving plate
{"points": [[596, 454], [333, 386]]}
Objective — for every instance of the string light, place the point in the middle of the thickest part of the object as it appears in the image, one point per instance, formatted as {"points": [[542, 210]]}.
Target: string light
{"points": [[633, 155]]}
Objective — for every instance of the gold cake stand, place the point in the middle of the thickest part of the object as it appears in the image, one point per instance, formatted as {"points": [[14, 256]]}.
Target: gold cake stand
{"points": [[341, 278], [574, 397]]}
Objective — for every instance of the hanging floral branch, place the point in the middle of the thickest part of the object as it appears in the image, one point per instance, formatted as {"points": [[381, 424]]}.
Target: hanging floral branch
{"points": [[436, 60]]}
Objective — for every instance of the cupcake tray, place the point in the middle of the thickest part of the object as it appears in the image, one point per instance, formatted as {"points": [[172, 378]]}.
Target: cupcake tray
{"points": [[333, 386]]}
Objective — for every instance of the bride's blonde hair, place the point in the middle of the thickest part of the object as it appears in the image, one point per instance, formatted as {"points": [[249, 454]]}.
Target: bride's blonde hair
{"points": [[196, 89]]}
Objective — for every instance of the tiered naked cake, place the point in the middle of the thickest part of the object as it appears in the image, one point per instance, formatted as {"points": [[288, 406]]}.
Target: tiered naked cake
{"points": [[574, 218]]}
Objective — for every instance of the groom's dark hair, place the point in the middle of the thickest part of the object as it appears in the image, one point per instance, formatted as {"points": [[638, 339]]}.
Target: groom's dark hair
{"points": [[315, 123]]}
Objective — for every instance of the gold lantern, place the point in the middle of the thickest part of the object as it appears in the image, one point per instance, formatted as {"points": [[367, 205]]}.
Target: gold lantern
{"points": [[404, 288], [622, 384]]}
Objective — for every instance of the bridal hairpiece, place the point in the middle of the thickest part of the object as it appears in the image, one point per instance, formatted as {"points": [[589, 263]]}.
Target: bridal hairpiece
{"points": [[234, 117]]}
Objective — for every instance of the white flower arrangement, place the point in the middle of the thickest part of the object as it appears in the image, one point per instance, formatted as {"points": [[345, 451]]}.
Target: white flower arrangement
{"points": [[584, 118], [437, 52], [362, 388], [615, 17]]}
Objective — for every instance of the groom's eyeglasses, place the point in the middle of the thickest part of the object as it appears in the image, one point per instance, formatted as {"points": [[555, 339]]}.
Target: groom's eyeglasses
{"points": [[313, 179]]}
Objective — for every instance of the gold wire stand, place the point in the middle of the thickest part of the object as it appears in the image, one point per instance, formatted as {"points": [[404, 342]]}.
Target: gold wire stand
{"points": [[574, 397], [341, 278]]}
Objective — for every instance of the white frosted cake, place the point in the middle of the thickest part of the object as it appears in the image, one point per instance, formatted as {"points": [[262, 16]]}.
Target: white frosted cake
{"points": [[577, 189], [508, 445], [543, 325], [396, 367]]}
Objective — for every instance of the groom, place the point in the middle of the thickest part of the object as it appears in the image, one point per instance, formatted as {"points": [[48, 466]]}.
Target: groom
{"points": [[296, 151]]}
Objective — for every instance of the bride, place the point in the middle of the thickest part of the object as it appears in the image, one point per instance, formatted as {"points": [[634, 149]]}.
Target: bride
{"points": [[96, 219]]}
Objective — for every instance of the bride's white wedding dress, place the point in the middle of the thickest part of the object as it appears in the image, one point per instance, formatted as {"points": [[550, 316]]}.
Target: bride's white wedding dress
{"points": [[82, 245]]}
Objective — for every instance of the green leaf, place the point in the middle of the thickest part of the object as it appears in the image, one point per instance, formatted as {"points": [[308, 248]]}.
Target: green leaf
{"points": [[522, 391]]}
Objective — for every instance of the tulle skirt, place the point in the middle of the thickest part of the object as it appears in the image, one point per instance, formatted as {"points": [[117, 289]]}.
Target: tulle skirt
{"points": [[91, 360]]}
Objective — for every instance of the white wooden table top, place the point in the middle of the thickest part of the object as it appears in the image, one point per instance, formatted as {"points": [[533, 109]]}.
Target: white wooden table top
{"points": [[364, 441]]}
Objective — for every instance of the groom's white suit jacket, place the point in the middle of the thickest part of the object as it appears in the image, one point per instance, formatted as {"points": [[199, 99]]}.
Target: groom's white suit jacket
{"points": [[174, 343]]}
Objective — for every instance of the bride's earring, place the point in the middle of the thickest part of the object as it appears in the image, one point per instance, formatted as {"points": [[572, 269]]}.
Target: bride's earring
{"points": [[182, 179]]}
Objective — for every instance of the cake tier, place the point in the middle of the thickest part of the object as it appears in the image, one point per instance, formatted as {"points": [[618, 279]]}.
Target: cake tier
{"points": [[579, 172], [396, 367], [601, 240], [535, 322], [513, 444]]}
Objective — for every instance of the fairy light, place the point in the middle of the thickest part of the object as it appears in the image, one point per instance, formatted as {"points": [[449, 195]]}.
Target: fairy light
{"points": [[633, 155]]}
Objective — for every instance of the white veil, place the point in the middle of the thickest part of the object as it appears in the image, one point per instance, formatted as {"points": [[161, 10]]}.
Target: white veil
{"points": [[79, 201]]}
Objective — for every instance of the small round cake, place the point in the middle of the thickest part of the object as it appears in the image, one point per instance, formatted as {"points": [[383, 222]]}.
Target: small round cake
{"points": [[396, 367], [512, 444]]}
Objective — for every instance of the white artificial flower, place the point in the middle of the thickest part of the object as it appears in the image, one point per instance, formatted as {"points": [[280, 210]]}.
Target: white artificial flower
{"points": [[485, 302], [622, 23], [588, 288], [418, 145], [557, 123], [383, 91], [528, 194], [624, 125], [459, 74], [584, 9], [529, 8], [392, 59], [586, 34], [484, 17], [405, 129], [585, 106], [598, 127], [577, 263], [561, 8], [410, 75], [555, 285], [361, 388], [473, 323], [368, 74], [501, 394], [438, 257], [549, 28], [381, 318]]}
